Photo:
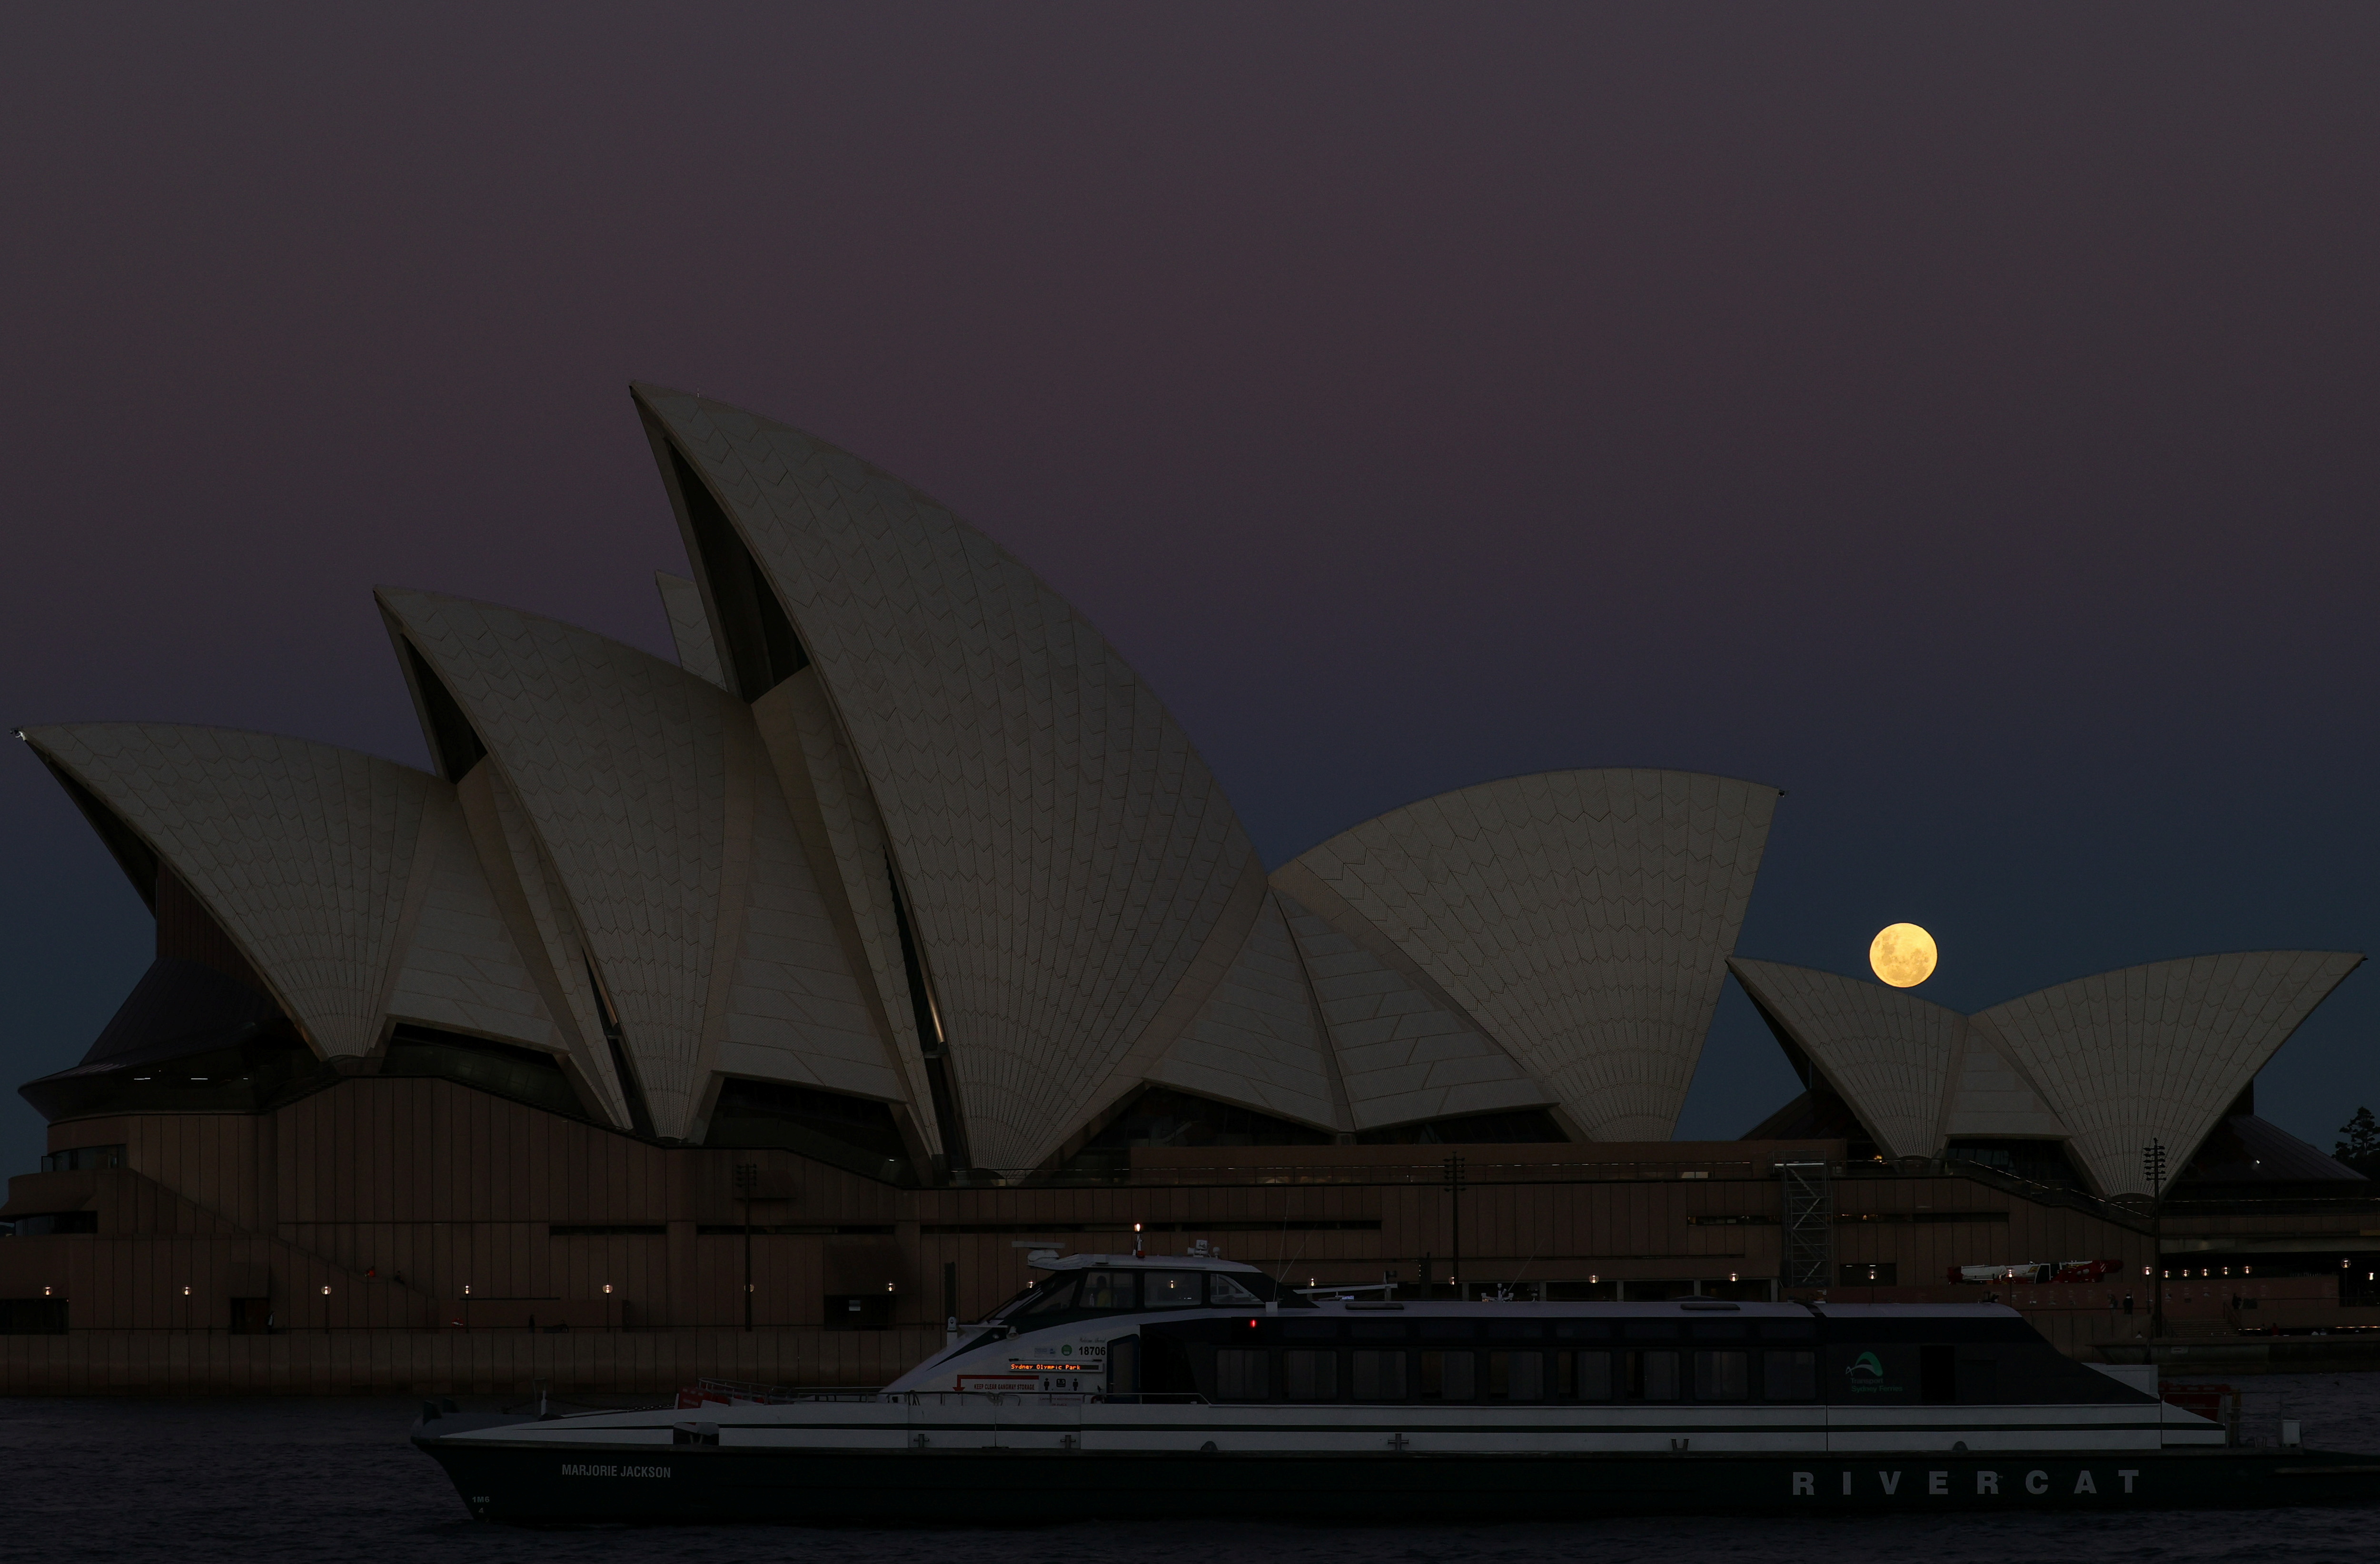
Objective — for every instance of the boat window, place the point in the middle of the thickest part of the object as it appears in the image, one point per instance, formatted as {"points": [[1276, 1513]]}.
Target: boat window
{"points": [[1722, 1376], [1051, 1296], [1446, 1329], [1240, 1373], [1309, 1376], [1582, 1329], [1788, 1330], [1979, 1378], [1378, 1329], [1108, 1289], [1514, 1330], [1311, 1330], [1448, 1376], [1516, 1376], [1379, 1376], [1592, 1376], [1653, 1376], [1226, 1291], [1720, 1331], [1170, 1290], [1790, 1376], [1651, 1330]]}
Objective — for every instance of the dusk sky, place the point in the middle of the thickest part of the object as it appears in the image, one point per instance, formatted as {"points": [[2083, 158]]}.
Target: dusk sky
{"points": [[1967, 419]]}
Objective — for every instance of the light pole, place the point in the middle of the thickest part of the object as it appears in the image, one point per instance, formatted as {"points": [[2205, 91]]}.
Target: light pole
{"points": [[747, 1180], [2153, 1165], [1454, 1195]]}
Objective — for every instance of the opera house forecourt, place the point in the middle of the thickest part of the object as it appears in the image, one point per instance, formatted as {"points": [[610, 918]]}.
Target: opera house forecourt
{"points": [[755, 1015]]}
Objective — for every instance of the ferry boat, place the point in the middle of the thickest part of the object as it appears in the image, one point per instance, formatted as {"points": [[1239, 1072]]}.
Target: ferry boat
{"points": [[1129, 1386]]}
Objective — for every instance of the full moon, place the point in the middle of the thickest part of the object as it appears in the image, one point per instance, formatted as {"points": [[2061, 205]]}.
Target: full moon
{"points": [[1902, 955]]}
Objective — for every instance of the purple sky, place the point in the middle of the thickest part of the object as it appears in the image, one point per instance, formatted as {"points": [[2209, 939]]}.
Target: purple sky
{"points": [[1966, 422]]}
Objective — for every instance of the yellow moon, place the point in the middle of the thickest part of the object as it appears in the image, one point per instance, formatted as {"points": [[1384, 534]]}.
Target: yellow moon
{"points": [[1902, 955]]}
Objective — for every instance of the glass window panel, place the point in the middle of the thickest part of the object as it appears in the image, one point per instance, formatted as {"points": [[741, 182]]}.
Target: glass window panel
{"points": [[1514, 1330], [1170, 1290], [1379, 1376], [1240, 1373], [1449, 1377], [1309, 1376], [1592, 1375], [1517, 1377], [1225, 1293], [1052, 1296], [1108, 1289], [1379, 1329], [1446, 1329], [1790, 1376], [1656, 1375], [1722, 1376], [1582, 1329]]}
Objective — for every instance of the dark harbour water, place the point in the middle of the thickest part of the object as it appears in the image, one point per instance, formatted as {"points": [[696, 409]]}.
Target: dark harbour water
{"points": [[248, 1481]]}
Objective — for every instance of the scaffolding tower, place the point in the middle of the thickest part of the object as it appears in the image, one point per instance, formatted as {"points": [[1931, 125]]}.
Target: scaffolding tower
{"points": [[1809, 1223]]}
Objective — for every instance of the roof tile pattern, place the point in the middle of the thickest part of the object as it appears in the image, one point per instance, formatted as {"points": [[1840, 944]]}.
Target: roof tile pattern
{"points": [[690, 627], [1991, 1099], [1256, 1043], [1583, 919], [805, 746], [1402, 1054], [618, 759], [537, 905], [2157, 1053], [1064, 851], [301, 851], [1890, 1053], [462, 969], [794, 1011]]}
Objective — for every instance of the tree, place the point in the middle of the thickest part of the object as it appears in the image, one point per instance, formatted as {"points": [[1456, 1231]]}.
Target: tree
{"points": [[2360, 1149]]}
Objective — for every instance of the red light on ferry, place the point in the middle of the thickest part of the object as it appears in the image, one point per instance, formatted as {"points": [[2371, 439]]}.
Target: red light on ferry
{"points": [[1252, 1325]]}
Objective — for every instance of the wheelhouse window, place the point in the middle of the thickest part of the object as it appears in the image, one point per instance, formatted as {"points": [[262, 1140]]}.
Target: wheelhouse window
{"points": [[1054, 1296], [1109, 1289], [1170, 1290], [1226, 1291]]}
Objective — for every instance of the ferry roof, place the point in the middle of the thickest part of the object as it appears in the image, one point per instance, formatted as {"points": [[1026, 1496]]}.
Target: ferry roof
{"points": [[1137, 1262]]}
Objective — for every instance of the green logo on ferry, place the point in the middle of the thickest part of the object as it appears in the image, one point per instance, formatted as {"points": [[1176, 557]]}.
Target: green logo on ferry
{"points": [[1867, 1364]]}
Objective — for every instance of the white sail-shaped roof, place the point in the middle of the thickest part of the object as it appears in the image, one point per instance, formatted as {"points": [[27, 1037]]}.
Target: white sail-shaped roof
{"points": [[1887, 1052], [1406, 1052], [1259, 1041], [1582, 918], [462, 969], [698, 650], [2155, 1053], [618, 758], [1066, 856], [302, 852]]}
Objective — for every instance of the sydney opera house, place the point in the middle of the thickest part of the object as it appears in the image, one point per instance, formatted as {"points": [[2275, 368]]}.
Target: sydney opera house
{"points": [[755, 1014]]}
